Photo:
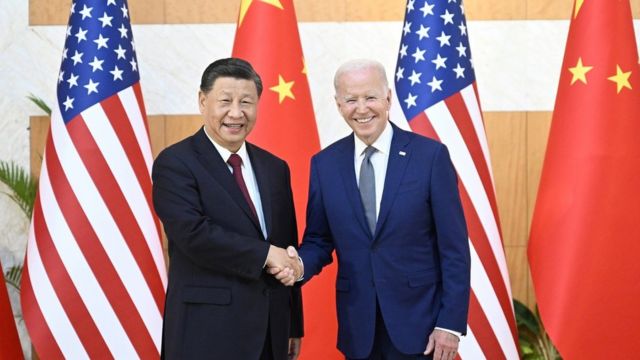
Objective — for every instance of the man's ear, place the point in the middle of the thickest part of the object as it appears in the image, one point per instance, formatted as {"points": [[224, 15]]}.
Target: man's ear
{"points": [[201, 99]]}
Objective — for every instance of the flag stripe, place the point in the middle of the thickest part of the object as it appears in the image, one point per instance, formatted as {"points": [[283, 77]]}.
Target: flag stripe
{"points": [[120, 213], [55, 318], [484, 331], [489, 262], [65, 289], [133, 104], [98, 260], [71, 257], [490, 304], [469, 347], [33, 315], [458, 108], [444, 126]]}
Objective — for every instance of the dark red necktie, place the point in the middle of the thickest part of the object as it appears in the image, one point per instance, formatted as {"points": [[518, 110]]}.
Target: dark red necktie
{"points": [[236, 162]]}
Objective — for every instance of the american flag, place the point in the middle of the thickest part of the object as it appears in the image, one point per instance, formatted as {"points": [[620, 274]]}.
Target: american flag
{"points": [[436, 89], [95, 277]]}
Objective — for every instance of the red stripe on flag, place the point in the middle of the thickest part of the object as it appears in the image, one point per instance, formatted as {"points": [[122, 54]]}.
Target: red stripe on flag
{"points": [[482, 330], [421, 125], [458, 109], [65, 289], [39, 331], [102, 267], [137, 90], [115, 201]]}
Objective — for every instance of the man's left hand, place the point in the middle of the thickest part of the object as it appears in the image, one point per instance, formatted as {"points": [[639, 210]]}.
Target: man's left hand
{"points": [[444, 345], [294, 348]]}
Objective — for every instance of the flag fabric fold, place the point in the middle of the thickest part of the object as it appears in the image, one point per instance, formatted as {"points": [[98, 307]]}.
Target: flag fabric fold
{"points": [[436, 89], [585, 233], [95, 276], [10, 348], [267, 36]]}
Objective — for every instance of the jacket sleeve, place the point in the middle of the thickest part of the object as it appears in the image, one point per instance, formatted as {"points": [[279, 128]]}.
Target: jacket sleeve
{"points": [[453, 244], [177, 202], [317, 245]]}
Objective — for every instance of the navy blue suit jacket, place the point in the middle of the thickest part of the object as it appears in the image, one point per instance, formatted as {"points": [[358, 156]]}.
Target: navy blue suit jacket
{"points": [[416, 265], [219, 298]]}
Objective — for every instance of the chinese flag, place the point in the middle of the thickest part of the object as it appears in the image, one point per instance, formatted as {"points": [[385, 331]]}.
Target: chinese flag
{"points": [[585, 233], [9, 341], [267, 36]]}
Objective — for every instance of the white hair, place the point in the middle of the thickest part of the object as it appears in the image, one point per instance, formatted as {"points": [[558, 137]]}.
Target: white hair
{"points": [[359, 64]]}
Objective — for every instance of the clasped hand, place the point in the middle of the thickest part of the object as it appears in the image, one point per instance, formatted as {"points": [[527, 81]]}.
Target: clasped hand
{"points": [[284, 265]]}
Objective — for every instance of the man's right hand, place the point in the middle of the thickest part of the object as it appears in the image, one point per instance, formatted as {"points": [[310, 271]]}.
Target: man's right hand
{"points": [[284, 264]]}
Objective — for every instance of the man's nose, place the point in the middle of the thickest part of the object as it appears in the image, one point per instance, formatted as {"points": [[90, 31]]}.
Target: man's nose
{"points": [[234, 110]]}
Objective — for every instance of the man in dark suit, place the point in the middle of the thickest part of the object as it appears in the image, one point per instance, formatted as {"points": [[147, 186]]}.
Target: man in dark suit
{"points": [[227, 209], [386, 200]]}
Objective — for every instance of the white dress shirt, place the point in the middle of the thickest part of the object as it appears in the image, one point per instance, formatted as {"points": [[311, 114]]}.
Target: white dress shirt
{"points": [[248, 175]]}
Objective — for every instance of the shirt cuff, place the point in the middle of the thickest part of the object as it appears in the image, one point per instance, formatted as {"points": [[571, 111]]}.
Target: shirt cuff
{"points": [[301, 276], [458, 334]]}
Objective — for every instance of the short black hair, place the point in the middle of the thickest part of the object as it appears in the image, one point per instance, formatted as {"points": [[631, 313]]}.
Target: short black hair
{"points": [[229, 67]]}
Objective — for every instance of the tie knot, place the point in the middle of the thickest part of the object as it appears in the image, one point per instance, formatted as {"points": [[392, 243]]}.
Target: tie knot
{"points": [[369, 151], [235, 161]]}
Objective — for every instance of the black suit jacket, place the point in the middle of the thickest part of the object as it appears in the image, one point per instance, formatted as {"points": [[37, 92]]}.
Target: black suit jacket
{"points": [[219, 298]]}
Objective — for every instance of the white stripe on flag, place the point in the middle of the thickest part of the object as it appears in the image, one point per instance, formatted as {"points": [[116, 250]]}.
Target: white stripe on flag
{"points": [[134, 113], [471, 102], [469, 348], [50, 307], [81, 274], [99, 216]]}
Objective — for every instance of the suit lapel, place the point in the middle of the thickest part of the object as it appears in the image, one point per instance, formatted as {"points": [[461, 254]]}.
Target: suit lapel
{"points": [[264, 185], [347, 171], [399, 156], [218, 169]]}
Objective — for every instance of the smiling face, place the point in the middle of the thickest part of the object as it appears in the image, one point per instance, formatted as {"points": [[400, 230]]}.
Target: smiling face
{"points": [[363, 100], [229, 110]]}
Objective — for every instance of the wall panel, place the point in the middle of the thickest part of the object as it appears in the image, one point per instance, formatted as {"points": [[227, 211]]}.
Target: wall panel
{"points": [[506, 135]]}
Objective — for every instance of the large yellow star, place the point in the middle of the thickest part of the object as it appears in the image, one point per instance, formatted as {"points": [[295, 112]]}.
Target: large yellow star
{"points": [[580, 72], [246, 4], [577, 9], [621, 79], [283, 89]]}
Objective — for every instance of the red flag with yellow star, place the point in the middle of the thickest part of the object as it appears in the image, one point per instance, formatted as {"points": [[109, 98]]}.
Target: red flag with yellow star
{"points": [[267, 36], [585, 234]]}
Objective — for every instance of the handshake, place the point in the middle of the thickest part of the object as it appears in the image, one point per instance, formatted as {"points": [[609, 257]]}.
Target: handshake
{"points": [[284, 265]]}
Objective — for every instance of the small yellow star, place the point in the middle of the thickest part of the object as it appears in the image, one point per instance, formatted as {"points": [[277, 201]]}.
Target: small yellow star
{"points": [[580, 72], [246, 4], [577, 9], [283, 89], [621, 79]]}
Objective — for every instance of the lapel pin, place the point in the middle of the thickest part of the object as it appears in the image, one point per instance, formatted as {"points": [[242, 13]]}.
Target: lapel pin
{"points": [[402, 153]]}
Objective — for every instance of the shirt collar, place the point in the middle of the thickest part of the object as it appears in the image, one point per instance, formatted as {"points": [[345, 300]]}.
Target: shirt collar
{"points": [[382, 144], [225, 153]]}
